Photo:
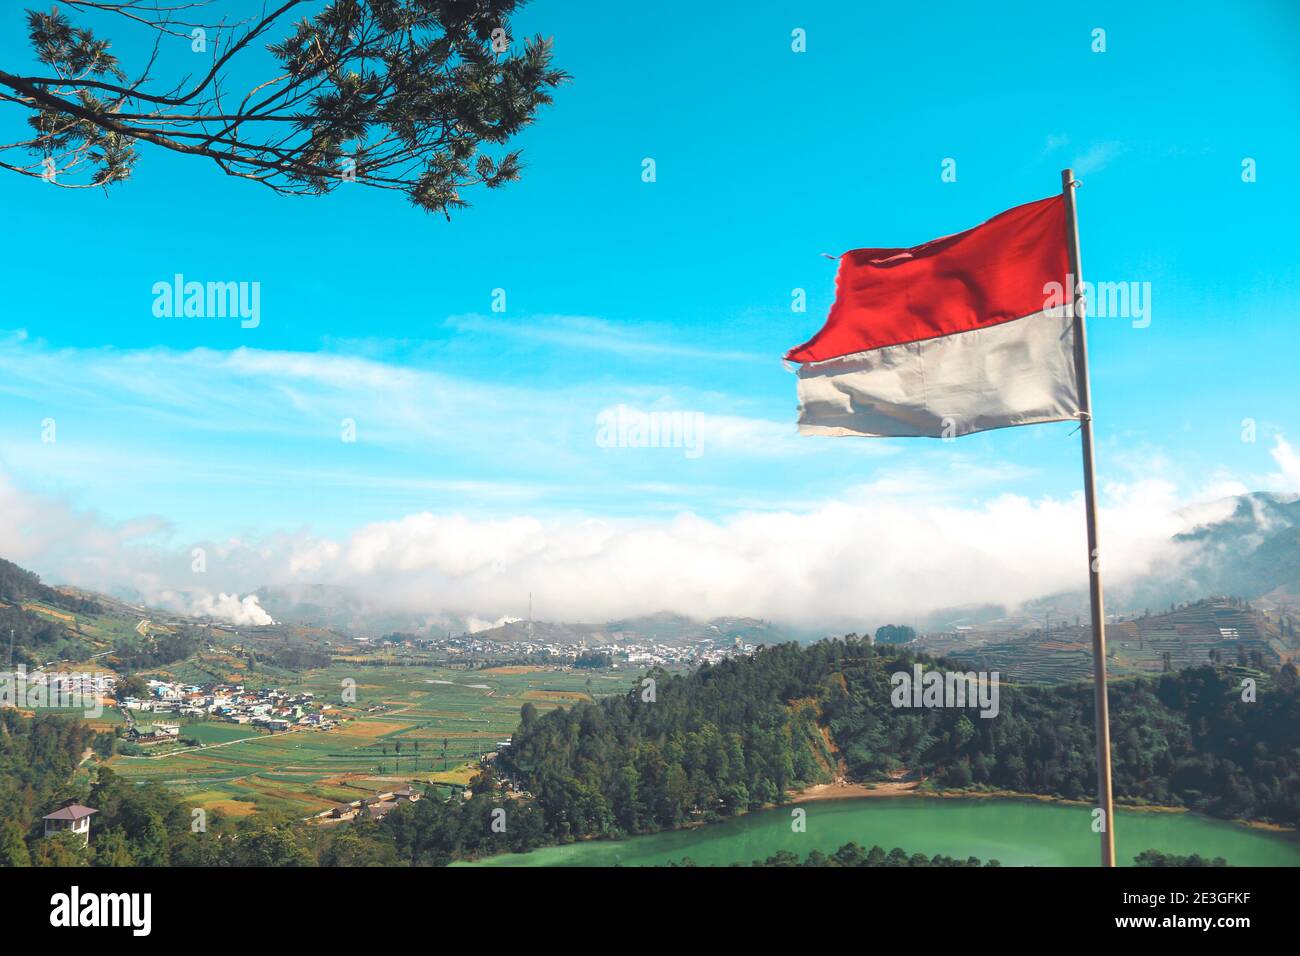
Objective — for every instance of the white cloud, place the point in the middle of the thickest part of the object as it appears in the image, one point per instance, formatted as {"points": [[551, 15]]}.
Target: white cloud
{"points": [[1289, 464], [1096, 158], [474, 625], [263, 398], [592, 334], [1054, 142], [836, 564]]}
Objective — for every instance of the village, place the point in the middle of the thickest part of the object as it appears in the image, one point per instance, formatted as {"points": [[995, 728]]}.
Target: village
{"points": [[375, 807], [269, 708], [635, 651]]}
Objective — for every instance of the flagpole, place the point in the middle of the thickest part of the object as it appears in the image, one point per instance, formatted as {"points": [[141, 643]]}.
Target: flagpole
{"points": [[1102, 709]]}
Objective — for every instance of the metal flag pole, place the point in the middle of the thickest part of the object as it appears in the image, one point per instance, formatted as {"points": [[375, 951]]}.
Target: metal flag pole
{"points": [[1104, 799]]}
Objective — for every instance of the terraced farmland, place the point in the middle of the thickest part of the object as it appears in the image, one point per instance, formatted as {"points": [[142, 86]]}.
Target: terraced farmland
{"points": [[398, 724]]}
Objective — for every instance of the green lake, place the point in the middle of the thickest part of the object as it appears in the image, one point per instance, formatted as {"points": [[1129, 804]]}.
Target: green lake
{"points": [[1015, 832]]}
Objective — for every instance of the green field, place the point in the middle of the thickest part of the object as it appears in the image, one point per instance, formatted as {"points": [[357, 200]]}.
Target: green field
{"points": [[218, 732], [240, 770]]}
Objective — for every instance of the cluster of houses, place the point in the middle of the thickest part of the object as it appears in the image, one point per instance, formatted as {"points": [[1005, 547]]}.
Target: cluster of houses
{"points": [[41, 688], [63, 684], [472, 648], [638, 651], [146, 734], [689, 654], [272, 708], [371, 808]]}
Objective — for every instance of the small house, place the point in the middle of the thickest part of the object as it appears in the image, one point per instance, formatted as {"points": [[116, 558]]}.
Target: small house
{"points": [[71, 816]]}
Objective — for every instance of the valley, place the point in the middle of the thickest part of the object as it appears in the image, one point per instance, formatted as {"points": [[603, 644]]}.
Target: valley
{"points": [[407, 724]]}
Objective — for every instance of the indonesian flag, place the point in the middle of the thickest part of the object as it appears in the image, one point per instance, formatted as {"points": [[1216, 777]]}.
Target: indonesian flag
{"points": [[959, 335]]}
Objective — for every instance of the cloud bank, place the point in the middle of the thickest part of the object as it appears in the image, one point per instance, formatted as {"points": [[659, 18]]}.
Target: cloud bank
{"points": [[878, 554]]}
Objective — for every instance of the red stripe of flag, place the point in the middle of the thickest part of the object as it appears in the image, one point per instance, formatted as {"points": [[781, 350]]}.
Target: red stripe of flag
{"points": [[984, 276]]}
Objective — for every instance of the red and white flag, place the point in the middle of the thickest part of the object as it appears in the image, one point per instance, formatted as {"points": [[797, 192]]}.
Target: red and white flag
{"points": [[958, 335]]}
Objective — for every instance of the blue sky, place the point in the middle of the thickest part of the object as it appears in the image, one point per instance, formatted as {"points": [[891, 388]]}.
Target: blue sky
{"points": [[667, 295]]}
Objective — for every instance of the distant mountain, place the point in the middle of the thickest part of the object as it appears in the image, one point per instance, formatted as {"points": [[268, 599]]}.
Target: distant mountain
{"points": [[341, 608], [1185, 636], [1247, 546], [547, 632], [670, 628], [1253, 553]]}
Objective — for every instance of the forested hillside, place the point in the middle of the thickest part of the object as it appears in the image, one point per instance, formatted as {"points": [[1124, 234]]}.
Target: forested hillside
{"points": [[18, 584], [38, 756], [719, 742], [33, 636], [736, 735], [135, 825]]}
